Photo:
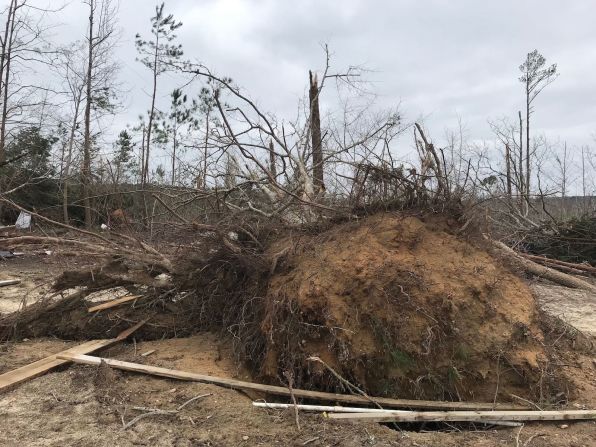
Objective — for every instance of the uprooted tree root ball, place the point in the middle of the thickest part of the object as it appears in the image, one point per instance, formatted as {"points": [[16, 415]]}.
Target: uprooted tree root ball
{"points": [[396, 304]]}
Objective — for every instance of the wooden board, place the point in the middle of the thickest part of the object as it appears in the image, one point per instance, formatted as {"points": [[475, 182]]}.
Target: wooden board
{"points": [[42, 366], [113, 303], [278, 390], [468, 416], [35, 369]]}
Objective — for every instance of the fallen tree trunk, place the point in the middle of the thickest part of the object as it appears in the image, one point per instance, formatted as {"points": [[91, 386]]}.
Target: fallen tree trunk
{"points": [[543, 259], [545, 272], [279, 390]]}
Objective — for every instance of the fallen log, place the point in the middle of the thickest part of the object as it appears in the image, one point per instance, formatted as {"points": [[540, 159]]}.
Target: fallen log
{"points": [[572, 265], [545, 272], [281, 391], [468, 416], [35, 369]]}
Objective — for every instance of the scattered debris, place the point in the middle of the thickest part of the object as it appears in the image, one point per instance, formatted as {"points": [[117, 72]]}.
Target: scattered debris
{"points": [[278, 390], [148, 353]]}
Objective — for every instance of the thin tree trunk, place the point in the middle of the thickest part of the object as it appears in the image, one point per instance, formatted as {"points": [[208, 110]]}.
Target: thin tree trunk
{"points": [[86, 171], [315, 131], [66, 174], [508, 169], [527, 143], [272, 167], [206, 154], [521, 188], [152, 110], [6, 59]]}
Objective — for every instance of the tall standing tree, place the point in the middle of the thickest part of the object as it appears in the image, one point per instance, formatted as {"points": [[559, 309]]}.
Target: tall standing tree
{"points": [[536, 75], [157, 54], [100, 40]]}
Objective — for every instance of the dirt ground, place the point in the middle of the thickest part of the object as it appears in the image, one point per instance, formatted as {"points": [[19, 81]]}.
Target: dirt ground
{"points": [[88, 406]]}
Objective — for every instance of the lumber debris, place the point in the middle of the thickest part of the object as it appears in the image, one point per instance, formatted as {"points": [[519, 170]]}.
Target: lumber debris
{"points": [[278, 390], [35, 369], [9, 282], [113, 303], [340, 409], [468, 416]]}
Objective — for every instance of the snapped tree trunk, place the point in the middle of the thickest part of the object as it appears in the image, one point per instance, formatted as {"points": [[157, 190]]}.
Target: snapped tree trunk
{"points": [[315, 131], [521, 188], [508, 169], [272, 167]]}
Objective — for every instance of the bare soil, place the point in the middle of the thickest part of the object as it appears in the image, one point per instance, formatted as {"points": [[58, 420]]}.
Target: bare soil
{"points": [[399, 305]]}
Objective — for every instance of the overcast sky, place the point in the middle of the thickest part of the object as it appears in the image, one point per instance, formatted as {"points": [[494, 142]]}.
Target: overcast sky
{"points": [[438, 59]]}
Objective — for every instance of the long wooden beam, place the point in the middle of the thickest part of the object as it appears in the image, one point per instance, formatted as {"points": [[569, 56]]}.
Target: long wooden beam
{"points": [[278, 390], [35, 369], [468, 416]]}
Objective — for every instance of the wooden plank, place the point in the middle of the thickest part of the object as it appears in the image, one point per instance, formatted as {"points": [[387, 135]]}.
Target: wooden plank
{"points": [[468, 416], [35, 369], [9, 282], [113, 303], [42, 366], [278, 390]]}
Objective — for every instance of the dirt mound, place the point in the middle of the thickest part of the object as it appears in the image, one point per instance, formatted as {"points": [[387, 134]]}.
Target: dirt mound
{"points": [[402, 307]]}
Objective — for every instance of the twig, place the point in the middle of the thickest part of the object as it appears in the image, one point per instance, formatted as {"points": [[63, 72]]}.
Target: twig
{"points": [[145, 415], [526, 401], [290, 378], [192, 400], [350, 386]]}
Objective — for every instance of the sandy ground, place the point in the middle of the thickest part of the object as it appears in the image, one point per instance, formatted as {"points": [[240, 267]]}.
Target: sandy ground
{"points": [[88, 406], [575, 307]]}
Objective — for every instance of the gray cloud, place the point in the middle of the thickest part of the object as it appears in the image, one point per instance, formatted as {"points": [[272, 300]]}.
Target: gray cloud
{"points": [[440, 59]]}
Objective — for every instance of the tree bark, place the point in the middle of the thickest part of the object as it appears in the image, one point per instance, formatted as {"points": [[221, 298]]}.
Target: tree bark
{"points": [[528, 141], [272, 167], [5, 61], [86, 171], [315, 131], [521, 188], [508, 169]]}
